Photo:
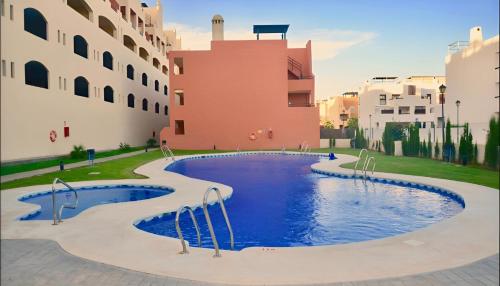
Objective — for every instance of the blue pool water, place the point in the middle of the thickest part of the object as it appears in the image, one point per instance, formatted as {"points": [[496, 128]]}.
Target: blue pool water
{"points": [[89, 197], [277, 201]]}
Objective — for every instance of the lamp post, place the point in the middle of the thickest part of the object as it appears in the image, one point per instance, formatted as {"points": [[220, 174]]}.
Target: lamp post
{"points": [[442, 89], [370, 135], [343, 118], [458, 122]]}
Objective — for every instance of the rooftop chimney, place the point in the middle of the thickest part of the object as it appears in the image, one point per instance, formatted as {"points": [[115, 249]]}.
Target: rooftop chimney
{"points": [[217, 28]]}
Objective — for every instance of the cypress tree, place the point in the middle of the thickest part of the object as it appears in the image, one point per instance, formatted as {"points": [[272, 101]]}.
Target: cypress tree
{"points": [[492, 143]]}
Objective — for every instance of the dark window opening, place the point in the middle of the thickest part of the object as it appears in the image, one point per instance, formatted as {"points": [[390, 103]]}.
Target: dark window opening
{"points": [[80, 46], [145, 104], [157, 108], [130, 72], [35, 23], [165, 110], [36, 74], [108, 94], [107, 60], [157, 85], [165, 90], [81, 86], [144, 79], [179, 127], [131, 101]]}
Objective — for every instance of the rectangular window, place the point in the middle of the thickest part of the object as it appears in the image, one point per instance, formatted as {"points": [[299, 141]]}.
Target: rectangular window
{"points": [[179, 127], [4, 68], [64, 39], [12, 72], [419, 109], [396, 96], [383, 99], [412, 90], [2, 7], [65, 84], [58, 36], [404, 110], [60, 83], [429, 97], [178, 66], [387, 111], [179, 97], [11, 13], [95, 91]]}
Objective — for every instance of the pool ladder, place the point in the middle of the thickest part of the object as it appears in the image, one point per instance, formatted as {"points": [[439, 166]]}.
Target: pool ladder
{"points": [[304, 147], [360, 157], [58, 215], [367, 165], [209, 222], [167, 153]]}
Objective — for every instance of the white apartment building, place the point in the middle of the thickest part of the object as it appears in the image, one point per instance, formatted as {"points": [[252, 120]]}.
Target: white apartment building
{"points": [[91, 72], [391, 99], [472, 79], [332, 109]]}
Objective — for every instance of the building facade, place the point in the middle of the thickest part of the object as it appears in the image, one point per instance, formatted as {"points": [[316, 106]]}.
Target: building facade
{"points": [[248, 94], [410, 100], [472, 76], [330, 109], [81, 72]]}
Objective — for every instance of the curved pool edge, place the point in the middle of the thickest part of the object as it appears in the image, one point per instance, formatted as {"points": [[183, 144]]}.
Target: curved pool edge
{"points": [[464, 238]]}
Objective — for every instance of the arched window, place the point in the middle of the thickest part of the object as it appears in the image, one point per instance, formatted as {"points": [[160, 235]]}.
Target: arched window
{"points": [[107, 26], [131, 101], [81, 86], [80, 46], [108, 94], [129, 43], [144, 79], [166, 110], [107, 60], [36, 74], [156, 63], [164, 69], [143, 54], [81, 7], [157, 85], [35, 23], [145, 104], [157, 108], [130, 72], [165, 90]]}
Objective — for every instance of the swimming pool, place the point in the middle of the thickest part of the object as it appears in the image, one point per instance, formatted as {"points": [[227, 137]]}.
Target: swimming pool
{"points": [[89, 197], [278, 201]]}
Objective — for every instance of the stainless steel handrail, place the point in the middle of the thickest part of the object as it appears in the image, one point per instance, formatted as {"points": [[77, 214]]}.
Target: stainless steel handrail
{"points": [[58, 215], [178, 228], [368, 164], [283, 149], [359, 159], [209, 221], [167, 153]]}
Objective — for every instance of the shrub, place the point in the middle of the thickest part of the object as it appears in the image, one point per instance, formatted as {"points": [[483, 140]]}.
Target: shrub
{"points": [[392, 132], [448, 147], [492, 143], [466, 148], [436, 150], [429, 146], [78, 152], [328, 124], [124, 146], [151, 143], [360, 140]]}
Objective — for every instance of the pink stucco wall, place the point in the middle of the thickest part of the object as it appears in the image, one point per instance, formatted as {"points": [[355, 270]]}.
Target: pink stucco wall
{"points": [[240, 88]]}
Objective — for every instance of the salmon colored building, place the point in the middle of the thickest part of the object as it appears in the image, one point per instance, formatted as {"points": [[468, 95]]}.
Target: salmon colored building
{"points": [[248, 94]]}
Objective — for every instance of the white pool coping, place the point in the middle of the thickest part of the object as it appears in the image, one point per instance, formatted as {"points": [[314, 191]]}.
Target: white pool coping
{"points": [[106, 234]]}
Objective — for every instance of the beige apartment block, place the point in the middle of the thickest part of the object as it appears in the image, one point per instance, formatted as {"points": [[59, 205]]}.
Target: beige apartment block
{"points": [[408, 100], [331, 109], [472, 76], [81, 72]]}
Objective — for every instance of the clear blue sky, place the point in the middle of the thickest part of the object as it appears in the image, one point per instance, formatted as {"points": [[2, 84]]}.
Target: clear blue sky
{"points": [[373, 38]]}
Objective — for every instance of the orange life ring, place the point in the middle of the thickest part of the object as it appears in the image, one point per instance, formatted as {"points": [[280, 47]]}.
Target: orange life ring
{"points": [[53, 136]]}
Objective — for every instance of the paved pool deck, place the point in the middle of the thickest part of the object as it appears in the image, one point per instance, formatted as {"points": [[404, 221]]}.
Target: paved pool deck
{"points": [[43, 262], [105, 234]]}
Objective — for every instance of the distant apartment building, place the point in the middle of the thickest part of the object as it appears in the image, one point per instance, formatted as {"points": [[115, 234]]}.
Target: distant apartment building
{"points": [[81, 72], [338, 109], [472, 75], [247, 94], [412, 100]]}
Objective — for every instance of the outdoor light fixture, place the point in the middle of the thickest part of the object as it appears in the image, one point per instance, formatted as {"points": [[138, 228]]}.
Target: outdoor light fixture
{"points": [[442, 89], [458, 122]]}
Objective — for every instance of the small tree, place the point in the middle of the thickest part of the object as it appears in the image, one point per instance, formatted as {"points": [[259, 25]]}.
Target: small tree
{"points": [[352, 123], [492, 143], [429, 146], [436, 150], [448, 147], [466, 147], [328, 124], [392, 132]]}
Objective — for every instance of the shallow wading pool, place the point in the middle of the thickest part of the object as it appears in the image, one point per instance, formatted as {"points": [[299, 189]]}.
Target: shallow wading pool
{"points": [[278, 201], [89, 197]]}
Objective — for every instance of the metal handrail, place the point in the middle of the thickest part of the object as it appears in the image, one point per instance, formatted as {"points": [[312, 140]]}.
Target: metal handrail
{"points": [[359, 159], [167, 153], [179, 231], [238, 149], [368, 164], [283, 149], [209, 221], [58, 215]]}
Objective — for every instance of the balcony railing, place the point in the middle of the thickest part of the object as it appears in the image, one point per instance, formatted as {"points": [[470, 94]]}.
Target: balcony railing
{"points": [[457, 46]]}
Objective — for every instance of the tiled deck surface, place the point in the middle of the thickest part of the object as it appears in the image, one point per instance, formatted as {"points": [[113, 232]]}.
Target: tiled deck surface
{"points": [[43, 262]]}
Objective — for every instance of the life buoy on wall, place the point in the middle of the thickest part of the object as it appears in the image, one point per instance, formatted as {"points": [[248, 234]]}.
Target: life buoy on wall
{"points": [[270, 134], [52, 136], [252, 136]]}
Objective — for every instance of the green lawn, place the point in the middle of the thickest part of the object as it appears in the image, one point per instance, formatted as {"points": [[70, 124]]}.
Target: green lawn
{"points": [[123, 169], [30, 166], [111, 170], [426, 167]]}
